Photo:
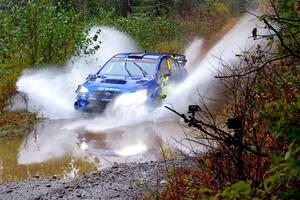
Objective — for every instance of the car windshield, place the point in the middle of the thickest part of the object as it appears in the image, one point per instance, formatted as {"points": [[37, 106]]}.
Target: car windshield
{"points": [[129, 67]]}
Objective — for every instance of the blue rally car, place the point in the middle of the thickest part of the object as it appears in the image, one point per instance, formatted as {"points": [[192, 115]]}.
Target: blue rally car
{"points": [[132, 78]]}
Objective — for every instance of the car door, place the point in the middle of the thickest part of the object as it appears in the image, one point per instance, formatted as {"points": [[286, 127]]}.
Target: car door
{"points": [[171, 68]]}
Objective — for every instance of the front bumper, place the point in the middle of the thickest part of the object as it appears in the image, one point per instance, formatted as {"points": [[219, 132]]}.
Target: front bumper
{"points": [[98, 101], [94, 102], [90, 106]]}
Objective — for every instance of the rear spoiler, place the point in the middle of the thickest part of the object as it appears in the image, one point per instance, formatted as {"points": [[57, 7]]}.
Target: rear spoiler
{"points": [[180, 58]]}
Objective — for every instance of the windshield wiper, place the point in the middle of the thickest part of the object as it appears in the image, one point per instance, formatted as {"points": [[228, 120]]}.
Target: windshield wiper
{"points": [[127, 69], [141, 69]]}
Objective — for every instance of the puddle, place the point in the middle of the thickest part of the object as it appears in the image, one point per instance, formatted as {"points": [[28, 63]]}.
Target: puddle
{"points": [[52, 149], [10, 170]]}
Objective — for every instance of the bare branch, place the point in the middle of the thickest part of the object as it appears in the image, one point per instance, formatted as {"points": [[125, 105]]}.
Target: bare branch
{"points": [[281, 40], [256, 69]]}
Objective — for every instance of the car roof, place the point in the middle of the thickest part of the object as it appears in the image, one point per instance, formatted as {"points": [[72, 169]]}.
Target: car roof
{"points": [[140, 55]]}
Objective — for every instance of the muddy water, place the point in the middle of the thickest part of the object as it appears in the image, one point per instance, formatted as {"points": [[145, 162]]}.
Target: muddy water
{"points": [[52, 149], [13, 165], [10, 170]]}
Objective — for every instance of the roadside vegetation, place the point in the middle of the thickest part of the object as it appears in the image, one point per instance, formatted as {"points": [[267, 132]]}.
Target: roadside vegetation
{"points": [[257, 155]]}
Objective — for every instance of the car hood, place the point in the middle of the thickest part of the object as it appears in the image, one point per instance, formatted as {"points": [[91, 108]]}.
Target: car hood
{"points": [[121, 83]]}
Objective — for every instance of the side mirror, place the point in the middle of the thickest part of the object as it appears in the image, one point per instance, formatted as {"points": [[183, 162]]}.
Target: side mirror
{"points": [[91, 77]]}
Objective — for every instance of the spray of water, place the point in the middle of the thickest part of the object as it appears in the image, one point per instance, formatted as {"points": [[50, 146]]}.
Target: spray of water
{"points": [[193, 53], [202, 82], [52, 91]]}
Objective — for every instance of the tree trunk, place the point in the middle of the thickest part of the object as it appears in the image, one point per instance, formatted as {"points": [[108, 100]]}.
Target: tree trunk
{"points": [[124, 6]]}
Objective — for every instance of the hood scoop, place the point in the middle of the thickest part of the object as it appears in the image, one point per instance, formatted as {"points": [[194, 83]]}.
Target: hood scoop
{"points": [[114, 81], [141, 81]]}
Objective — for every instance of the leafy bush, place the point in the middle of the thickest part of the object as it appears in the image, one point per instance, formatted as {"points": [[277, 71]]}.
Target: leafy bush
{"points": [[33, 34], [148, 31], [38, 32]]}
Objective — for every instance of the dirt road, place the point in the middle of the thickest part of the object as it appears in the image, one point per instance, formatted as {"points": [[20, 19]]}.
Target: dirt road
{"points": [[123, 181]]}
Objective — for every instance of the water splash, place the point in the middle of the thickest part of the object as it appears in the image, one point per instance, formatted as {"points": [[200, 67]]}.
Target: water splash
{"points": [[201, 82], [51, 91], [193, 53]]}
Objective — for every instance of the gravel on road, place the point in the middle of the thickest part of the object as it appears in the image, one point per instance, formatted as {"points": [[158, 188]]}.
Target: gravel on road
{"points": [[121, 181]]}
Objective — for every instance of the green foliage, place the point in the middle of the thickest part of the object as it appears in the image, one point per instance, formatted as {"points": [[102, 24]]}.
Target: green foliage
{"points": [[39, 33], [163, 7], [8, 77], [239, 190], [153, 24], [205, 17], [35, 33], [147, 31], [210, 14], [284, 111]]}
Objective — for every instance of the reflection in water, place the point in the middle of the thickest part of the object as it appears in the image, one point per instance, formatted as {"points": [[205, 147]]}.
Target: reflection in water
{"points": [[12, 170], [52, 149], [48, 141], [121, 144], [73, 170], [132, 150]]}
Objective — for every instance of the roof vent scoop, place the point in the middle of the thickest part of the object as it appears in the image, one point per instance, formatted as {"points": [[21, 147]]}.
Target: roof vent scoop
{"points": [[136, 55]]}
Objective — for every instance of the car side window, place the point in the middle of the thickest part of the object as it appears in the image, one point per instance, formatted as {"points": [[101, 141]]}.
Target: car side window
{"points": [[173, 65], [178, 72]]}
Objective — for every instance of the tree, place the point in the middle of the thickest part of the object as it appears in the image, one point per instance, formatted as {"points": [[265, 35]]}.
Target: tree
{"points": [[39, 33]]}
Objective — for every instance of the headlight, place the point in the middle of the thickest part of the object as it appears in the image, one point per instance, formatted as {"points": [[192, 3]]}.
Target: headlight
{"points": [[82, 89], [137, 97]]}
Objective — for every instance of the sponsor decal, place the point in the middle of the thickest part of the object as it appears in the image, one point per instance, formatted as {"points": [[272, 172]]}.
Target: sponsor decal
{"points": [[112, 89]]}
